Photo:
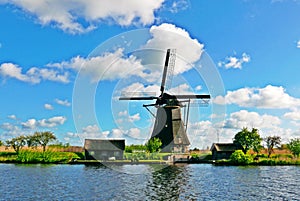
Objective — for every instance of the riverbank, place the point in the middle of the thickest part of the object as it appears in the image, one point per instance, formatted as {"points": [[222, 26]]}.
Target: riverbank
{"points": [[52, 156]]}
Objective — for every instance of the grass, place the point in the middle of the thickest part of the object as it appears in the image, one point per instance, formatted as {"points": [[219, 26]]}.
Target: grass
{"points": [[146, 156], [275, 159], [37, 156]]}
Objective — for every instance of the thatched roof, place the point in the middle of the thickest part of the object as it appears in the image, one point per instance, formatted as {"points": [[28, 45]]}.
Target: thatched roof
{"points": [[106, 144], [226, 147]]}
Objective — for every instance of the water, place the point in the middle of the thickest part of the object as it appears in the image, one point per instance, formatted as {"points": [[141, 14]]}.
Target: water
{"points": [[184, 182]]}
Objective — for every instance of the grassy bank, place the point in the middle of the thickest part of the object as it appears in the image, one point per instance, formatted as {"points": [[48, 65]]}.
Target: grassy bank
{"points": [[261, 160], [36, 156]]}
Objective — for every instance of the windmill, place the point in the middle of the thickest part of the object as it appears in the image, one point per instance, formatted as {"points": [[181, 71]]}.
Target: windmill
{"points": [[169, 125]]}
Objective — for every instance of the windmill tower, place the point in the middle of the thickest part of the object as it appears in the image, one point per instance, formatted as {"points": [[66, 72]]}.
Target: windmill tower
{"points": [[169, 126]]}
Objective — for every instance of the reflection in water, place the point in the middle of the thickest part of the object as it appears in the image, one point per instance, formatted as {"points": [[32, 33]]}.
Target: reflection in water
{"points": [[185, 182], [165, 184]]}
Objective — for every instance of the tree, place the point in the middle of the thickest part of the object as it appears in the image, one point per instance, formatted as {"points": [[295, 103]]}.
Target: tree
{"points": [[294, 146], [153, 145], [43, 138], [272, 141], [31, 141], [248, 140], [17, 143], [1, 143]]}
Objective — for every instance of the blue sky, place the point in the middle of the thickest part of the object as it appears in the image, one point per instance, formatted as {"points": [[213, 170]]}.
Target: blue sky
{"points": [[64, 64]]}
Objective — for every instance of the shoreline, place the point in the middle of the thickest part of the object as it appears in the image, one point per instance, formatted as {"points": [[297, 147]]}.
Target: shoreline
{"points": [[154, 162]]}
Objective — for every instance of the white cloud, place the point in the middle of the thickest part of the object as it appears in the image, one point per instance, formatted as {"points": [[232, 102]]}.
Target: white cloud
{"points": [[298, 44], [244, 118], [30, 124], [134, 133], [12, 70], [268, 97], [117, 133], [198, 88], [47, 123], [79, 16], [63, 102], [92, 132], [125, 117], [189, 50], [117, 65], [135, 117], [235, 62], [52, 122], [181, 89], [33, 75], [178, 5], [294, 115], [13, 117], [109, 66], [48, 106], [91, 129]]}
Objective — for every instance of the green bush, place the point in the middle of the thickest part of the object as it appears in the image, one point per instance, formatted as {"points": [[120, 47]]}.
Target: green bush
{"points": [[239, 158]]}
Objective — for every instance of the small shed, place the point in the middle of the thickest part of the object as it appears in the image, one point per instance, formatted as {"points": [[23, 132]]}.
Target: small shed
{"points": [[104, 149], [223, 150]]}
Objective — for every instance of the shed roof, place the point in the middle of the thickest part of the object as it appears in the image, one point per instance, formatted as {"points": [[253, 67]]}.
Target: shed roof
{"points": [[104, 144], [230, 147]]}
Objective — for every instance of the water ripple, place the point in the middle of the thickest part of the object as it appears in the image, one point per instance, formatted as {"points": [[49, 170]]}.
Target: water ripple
{"points": [[184, 182]]}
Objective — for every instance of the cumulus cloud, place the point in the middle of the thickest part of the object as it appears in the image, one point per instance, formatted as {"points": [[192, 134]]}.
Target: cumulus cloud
{"points": [[91, 132], [79, 16], [294, 115], [91, 129], [52, 122], [204, 133], [181, 89], [189, 50], [115, 64], [270, 97], [298, 44], [109, 66], [244, 118], [63, 102], [33, 75], [30, 124], [48, 106], [46, 123], [125, 117], [235, 62]]}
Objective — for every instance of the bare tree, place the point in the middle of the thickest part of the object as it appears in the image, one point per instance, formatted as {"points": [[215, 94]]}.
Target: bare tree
{"points": [[272, 141]]}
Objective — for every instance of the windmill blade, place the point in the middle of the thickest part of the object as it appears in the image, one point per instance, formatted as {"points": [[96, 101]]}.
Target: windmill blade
{"points": [[138, 98], [163, 81], [170, 71], [191, 96]]}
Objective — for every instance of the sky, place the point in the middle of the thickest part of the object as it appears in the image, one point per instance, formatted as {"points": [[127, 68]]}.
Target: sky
{"points": [[64, 64]]}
